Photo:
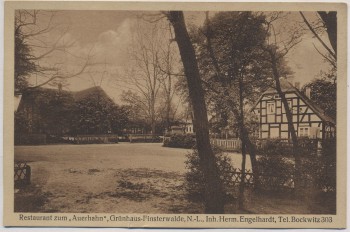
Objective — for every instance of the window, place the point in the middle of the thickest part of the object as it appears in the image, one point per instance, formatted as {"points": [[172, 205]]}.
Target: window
{"points": [[303, 131], [271, 109]]}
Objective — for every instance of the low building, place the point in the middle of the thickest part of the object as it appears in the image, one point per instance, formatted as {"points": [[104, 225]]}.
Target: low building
{"points": [[56, 111]]}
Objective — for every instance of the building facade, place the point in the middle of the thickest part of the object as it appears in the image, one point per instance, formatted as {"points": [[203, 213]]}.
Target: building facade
{"points": [[308, 119]]}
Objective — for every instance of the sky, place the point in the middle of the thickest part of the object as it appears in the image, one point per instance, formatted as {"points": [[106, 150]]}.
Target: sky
{"points": [[107, 37]]}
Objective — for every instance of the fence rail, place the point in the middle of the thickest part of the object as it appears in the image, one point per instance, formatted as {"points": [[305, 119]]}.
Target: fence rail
{"points": [[144, 138], [227, 144], [86, 139], [22, 174], [268, 182]]}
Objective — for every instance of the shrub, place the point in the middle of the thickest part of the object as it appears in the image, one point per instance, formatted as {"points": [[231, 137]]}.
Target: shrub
{"points": [[180, 141], [194, 177], [30, 139], [275, 172], [322, 169], [277, 147]]}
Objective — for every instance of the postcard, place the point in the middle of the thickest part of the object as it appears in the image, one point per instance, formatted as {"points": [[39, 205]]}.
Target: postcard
{"points": [[175, 115]]}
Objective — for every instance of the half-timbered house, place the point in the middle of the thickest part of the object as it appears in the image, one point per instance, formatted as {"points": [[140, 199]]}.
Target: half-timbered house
{"points": [[308, 119]]}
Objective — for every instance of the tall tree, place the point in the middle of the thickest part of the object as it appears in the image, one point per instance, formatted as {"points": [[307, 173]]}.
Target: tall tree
{"points": [[229, 59], [214, 197], [324, 94], [146, 77], [275, 49]]}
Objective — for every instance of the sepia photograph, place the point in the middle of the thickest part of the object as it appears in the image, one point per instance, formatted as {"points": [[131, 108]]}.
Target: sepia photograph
{"points": [[139, 113]]}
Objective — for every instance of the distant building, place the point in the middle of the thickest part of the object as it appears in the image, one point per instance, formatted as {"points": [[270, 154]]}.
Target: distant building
{"points": [[308, 119], [47, 111], [177, 130]]}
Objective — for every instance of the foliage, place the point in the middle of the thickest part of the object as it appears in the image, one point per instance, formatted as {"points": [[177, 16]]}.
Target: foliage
{"points": [[44, 111], [24, 65], [180, 141], [194, 177], [22, 123], [278, 147], [322, 169], [97, 114], [55, 111], [274, 172], [324, 94], [318, 169], [30, 139]]}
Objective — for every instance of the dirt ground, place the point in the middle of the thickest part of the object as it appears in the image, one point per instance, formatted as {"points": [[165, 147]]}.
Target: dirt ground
{"points": [[120, 178]]}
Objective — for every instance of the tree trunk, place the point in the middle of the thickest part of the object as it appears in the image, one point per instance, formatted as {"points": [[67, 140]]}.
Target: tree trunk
{"points": [[291, 129], [244, 133], [214, 197], [243, 139], [330, 21]]}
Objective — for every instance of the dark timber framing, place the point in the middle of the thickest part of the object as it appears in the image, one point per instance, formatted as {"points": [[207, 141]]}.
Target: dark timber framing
{"points": [[306, 115]]}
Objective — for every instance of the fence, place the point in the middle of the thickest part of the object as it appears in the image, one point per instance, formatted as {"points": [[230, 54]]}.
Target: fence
{"points": [[144, 138], [267, 182], [90, 139], [227, 144], [22, 174]]}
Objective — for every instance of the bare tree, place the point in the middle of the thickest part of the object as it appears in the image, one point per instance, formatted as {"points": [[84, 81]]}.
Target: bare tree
{"points": [[168, 64], [38, 41], [144, 77]]}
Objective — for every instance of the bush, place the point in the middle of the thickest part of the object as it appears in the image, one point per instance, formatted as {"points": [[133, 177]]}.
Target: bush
{"points": [[277, 147], [194, 177], [275, 173], [30, 139], [180, 141], [322, 169]]}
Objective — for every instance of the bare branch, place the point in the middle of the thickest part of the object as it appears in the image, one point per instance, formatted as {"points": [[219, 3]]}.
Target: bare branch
{"points": [[317, 36]]}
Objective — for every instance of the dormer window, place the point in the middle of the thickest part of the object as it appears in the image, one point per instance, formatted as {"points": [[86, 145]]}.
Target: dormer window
{"points": [[271, 108]]}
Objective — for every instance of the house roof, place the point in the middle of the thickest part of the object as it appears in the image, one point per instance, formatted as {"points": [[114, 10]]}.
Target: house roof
{"points": [[287, 87], [79, 95]]}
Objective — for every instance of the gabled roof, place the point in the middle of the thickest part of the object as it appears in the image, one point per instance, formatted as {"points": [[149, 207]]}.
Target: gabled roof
{"points": [[287, 87], [79, 95]]}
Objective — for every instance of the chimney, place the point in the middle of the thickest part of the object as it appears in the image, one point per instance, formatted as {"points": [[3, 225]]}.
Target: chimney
{"points": [[297, 85], [308, 92], [59, 87]]}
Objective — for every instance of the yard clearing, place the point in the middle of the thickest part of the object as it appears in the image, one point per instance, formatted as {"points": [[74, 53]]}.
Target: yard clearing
{"points": [[119, 178]]}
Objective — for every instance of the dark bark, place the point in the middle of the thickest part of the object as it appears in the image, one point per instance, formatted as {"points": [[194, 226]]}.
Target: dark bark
{"points": [[291, 129], [243, 139], [332, 53], [214, 197], [244, 133], [330, 21]]}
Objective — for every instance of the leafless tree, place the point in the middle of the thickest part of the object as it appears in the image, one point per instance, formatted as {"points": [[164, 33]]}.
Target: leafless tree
{"points": [[144, 77], [39, 41]]}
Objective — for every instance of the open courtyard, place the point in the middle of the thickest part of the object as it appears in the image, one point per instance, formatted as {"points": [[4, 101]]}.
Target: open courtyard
{"points": [[120, 178], [123, 178]]}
